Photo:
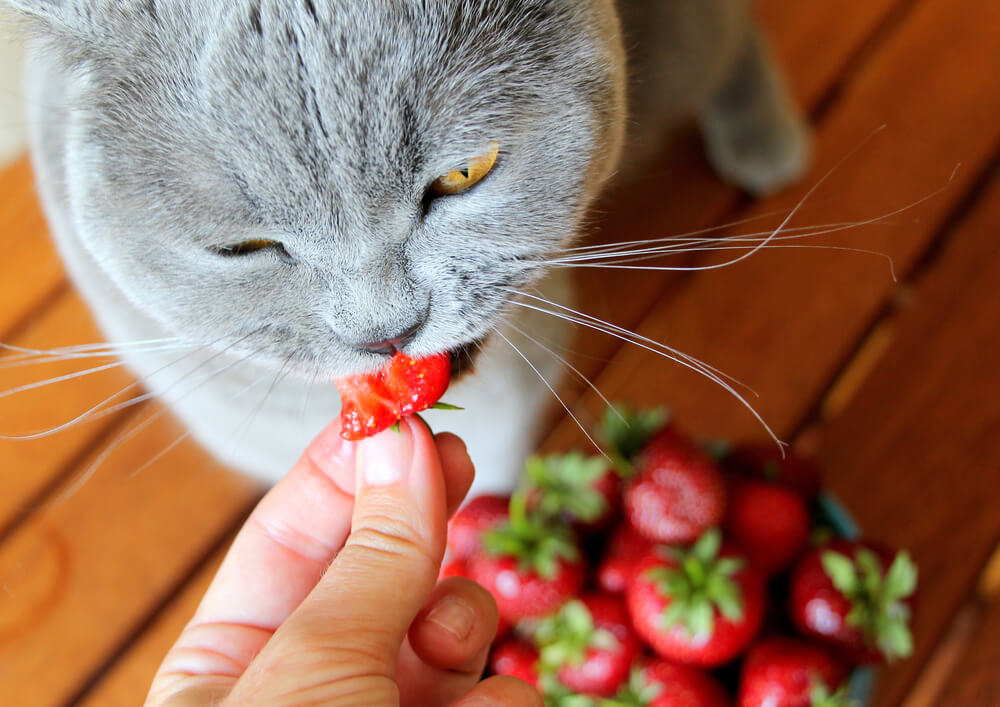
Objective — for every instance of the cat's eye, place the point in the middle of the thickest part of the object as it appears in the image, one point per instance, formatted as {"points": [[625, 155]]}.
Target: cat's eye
{"points": [[475, 171], [255, 245]]}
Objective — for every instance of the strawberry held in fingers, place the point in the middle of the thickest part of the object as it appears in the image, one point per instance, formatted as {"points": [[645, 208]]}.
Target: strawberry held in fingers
{"points": [[678, 492], [699, 606], [768, 521], [529, 564], [589, 645], [856, 597], [788, 672], [373, 402]]}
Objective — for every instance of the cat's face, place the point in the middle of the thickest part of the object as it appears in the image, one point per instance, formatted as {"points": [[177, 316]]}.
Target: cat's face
{"points": [[206, 130]]}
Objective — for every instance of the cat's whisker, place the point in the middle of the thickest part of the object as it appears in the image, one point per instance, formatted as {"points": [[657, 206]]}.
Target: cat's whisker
{"points": [[131, 433], [626, 246], [622, 264], [686, 361], [97, 413], [177, 442], [571, 367], [249, 419], [61, 379], [553, 391], [30, 359], [634, 338]]}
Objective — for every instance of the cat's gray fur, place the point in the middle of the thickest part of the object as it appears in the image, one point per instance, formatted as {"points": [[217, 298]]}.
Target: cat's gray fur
{"points": [[165, 129]]}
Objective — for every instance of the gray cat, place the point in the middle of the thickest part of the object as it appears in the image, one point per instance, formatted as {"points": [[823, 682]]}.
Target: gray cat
{"points": [[271, 194]]}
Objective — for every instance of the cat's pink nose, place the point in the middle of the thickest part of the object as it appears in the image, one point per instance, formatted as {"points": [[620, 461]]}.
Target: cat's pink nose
{"points": [[391, 346]]}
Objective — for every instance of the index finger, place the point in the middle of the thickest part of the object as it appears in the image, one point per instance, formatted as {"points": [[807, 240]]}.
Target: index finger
{"points": [[276, 559]]}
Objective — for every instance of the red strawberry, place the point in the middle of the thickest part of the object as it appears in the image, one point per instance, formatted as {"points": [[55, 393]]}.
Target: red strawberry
{"points": [[517, 659], [455, 568], [467, 526], [679, 492], [589, 645], [787, 672], [529, 564], [625, 430], [576, 489], [768, 521], [856, 597], [372, 402], [625, 548], [660, 683], [699, 606], [764, 461]]}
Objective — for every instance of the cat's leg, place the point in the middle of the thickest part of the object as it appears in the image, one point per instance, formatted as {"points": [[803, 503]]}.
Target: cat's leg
{"points": [[755, 136]]}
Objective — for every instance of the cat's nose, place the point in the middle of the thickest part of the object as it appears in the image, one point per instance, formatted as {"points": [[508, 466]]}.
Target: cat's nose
{"points": [[396, 343]]}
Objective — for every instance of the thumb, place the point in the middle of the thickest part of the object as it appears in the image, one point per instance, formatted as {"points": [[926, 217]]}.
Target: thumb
{"points": [[342, 643]]}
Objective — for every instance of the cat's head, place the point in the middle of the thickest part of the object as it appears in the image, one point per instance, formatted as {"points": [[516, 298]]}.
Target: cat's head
{"points": [[263, 171]]}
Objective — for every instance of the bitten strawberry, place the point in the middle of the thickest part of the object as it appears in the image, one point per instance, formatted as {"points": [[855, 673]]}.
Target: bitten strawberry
{"points": [[589, 645], [764, 461], [581, 490], [788, 672], [466, 527], [625, 548], [516, 658], [372, 402], [529, 564], [699, 606], [769, 522], [660, 683], [678, 492], [855, 597]]}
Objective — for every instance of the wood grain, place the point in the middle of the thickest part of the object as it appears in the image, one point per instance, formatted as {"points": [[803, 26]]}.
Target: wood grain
{"points": [[32, 466], [83, 574], [29, 267], [128, 681], [976, 680], [915, 454], [785, 321]]}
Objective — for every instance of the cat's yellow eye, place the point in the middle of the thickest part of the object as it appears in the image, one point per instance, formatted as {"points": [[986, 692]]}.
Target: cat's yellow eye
{"points": [[251, 246], [475, 171]]}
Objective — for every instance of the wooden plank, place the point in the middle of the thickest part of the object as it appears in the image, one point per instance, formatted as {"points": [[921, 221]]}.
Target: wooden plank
{"points": [[976, 681], [28, 467], [914, 455], [681, 193], [81, 576], [127, 683], [784, 321], [29, 267]]}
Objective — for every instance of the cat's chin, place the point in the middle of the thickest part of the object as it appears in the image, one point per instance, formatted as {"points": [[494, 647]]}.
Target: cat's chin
{"points": [[463, 359]]}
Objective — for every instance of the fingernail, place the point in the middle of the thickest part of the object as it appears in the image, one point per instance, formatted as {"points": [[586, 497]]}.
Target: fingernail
{"points": [[385, 458], [454, 616]]}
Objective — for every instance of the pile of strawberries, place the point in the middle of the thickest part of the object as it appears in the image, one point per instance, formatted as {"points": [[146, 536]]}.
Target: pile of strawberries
{"points": [[678, 575]]}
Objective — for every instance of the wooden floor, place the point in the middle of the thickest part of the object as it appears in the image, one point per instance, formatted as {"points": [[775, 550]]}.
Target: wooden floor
{"points": [[895, 385]]}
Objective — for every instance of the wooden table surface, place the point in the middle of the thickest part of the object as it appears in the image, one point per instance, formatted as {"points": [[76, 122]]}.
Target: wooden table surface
{"points": [[892, 384]]}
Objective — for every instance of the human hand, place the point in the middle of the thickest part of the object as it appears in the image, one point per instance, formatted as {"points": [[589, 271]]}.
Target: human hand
{"points": [[331, 597]]}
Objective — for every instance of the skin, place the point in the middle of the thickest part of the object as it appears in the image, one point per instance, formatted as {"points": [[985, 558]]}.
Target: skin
{"points": [[307, 607]]}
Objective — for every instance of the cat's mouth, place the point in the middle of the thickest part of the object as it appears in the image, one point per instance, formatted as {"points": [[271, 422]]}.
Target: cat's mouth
{"points": [[463, 359]]}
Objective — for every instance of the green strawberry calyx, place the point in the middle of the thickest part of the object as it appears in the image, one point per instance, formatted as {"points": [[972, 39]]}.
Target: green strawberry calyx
{"points": [[821, 696], [878, 597], [637, 692], [698, 586], [561, 484], [625, 430], [536, 542], [565, 637]]}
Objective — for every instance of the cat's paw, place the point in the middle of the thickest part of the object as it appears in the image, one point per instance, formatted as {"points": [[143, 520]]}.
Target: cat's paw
{"points": [[761, 152]]}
